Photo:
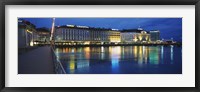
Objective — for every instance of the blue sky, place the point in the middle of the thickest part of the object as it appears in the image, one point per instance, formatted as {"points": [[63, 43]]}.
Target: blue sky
{"points": [[169, 27]]}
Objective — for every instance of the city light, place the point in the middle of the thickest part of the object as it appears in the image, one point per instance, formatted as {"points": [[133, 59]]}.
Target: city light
{"points": [[82, 26], [31, 43], [115, 29], [70, 25], [29, 31], [87, 43]]}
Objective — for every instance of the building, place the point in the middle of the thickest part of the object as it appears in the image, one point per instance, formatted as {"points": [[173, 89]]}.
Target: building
{"points": [[142, 37], [73, 34], [26, 34], [43, 36], [98, 35], [128, 35], [114, 36], [155, 35]]}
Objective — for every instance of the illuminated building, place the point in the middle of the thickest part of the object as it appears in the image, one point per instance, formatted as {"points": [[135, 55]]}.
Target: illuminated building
{"points": [[72, 34], [155, 35], [98, 35], [26, 34], [43, 35], [114, 36], [129, 35], [142, 37]]}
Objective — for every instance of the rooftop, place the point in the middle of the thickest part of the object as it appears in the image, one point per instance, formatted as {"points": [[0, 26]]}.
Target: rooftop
{"points": [[24, 22], [138, 30], [132, 30], [85, 27]]}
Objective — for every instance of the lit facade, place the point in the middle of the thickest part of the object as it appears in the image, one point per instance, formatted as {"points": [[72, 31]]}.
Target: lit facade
{"points": [[64, 34], [155, 35], [98, 35], [85, 35], [142, 37], [114, 36], [128, 36], [26, 34], [72, 35], [43, 35]]}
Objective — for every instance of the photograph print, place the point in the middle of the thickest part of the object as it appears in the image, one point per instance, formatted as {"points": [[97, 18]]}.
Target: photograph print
{"points": [[96, 45]]}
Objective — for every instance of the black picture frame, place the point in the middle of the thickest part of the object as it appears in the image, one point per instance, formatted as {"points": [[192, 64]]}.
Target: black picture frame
{"points": [[3, 3]]}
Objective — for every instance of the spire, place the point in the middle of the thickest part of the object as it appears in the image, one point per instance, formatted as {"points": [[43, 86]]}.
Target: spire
{"points": [[52, 29]]}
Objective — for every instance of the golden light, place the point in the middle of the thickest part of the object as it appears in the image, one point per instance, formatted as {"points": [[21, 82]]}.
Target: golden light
{"points": [[116, 50], [135, 51], [135, 39], [87, 49], [146, 37], [72, 64], [140, 37], [87, 43], [31, 43], [117, 39], [29, 31]]}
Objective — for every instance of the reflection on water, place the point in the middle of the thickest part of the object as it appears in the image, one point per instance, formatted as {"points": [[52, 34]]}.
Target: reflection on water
{"points": [[121, 59], [172, 54]]}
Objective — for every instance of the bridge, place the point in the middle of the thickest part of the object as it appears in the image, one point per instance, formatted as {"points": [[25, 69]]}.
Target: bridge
{"points": [[40, 60]]}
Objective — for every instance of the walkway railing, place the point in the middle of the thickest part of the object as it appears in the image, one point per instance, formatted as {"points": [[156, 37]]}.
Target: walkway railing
{"points": [[57, 64]]}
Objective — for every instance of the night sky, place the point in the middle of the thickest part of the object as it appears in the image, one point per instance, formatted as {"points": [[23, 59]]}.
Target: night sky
{"points": [[169, 27]]}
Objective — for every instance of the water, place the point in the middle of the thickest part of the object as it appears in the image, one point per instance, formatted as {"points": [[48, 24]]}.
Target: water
{"points": [[121, 60]]}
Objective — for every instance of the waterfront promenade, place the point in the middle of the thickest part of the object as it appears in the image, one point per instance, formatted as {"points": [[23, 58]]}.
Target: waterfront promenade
{"points": [[37, 61]]}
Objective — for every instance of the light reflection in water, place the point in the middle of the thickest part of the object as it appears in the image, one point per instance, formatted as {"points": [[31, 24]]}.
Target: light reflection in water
{"points": [[162, 54], [72, 50], [117, 59], [123, 52], [87, 52], [102, 54], [71, 64], [154, 55], [115, 56], [135, 52], [140, 55], [172, 54], [145, 53]]}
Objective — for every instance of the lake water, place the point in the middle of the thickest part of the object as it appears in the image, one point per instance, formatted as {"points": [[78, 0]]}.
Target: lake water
{"points": [[121, 59]]}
